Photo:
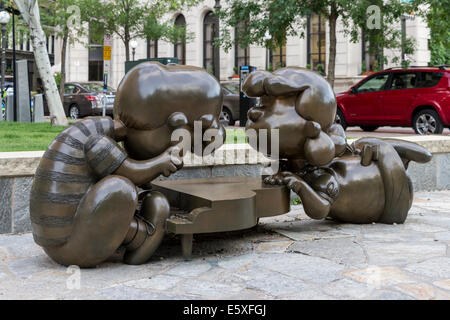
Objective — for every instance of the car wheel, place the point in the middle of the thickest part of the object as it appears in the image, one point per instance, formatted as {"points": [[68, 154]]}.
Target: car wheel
{"points": [[226, 118], [74, 112], [369, 128], [427, 122], [340, 119]]}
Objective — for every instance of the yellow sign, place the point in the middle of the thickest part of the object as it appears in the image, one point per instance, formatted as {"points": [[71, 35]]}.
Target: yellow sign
{"points": [[107, 53]]}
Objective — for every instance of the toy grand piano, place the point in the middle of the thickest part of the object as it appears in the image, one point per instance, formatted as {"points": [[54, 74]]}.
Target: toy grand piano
{"points": [[220, 205]]}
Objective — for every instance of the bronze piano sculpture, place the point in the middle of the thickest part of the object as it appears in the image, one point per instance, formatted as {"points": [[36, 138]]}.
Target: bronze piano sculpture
{"points": [[85, 207]]}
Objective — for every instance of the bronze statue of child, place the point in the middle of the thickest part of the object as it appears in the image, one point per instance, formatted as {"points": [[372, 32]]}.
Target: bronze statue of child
{"points": [[84, 199], [362, 183]]}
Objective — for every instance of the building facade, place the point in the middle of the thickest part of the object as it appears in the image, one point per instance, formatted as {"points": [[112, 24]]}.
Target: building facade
{"points": [[84, 64]]}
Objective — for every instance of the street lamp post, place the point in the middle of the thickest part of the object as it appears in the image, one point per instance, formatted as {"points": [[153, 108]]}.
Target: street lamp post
{"points": [[4, 20], [217, 7], [133, 45]]}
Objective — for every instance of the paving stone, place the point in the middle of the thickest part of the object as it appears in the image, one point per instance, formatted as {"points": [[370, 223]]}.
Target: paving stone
{"points": [[379, 276], [120, 292], [273, 246], [309, 294], [22, 246], [277, 285], [305, 230], [343, 251], [25, 268], [407, 261], [397, 236], [401, 253], [348, 289], [249, 294], [444, 284], [424, 291], [422, 227], [159, 282], [22, 189], [237, 262], [208, 289], [436, 268], [105, 275], [4, 254], [303, 267], [389, 295], [442, 236], [189, 269]]}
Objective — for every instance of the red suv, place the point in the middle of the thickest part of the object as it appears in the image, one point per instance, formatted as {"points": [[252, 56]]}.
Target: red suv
{"points": [[417, 97]]}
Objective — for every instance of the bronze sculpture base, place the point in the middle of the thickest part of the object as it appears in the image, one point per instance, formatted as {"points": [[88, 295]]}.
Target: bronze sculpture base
{"points": [[220, 205]]}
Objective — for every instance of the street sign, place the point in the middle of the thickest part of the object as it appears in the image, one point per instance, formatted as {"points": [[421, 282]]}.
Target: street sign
{"points": [[106, 53]]}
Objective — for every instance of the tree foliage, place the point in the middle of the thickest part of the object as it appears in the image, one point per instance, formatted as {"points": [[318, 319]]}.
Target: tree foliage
{"points": [[254, 20], [436, 14], [131, 19]]}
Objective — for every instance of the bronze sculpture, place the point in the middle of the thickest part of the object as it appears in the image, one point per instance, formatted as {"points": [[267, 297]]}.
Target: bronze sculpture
{"points": [[84, 201], [362, 183], [85, 205]]}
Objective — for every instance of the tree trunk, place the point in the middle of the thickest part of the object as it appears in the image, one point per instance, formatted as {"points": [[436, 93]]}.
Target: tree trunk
{"points": [[126, 41], [30, 13], [332, 19], [127, 50], [63, 65]]}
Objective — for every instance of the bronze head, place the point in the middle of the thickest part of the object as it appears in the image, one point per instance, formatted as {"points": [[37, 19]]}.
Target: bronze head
{"points": [[302, 106], [154, 100]]}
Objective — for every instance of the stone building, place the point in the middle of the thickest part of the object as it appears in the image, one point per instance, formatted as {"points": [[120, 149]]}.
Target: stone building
{"points": [[87, 65]]}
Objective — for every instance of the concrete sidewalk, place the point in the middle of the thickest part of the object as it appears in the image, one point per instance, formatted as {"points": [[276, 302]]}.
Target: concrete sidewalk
{"points": [[289, 257]]}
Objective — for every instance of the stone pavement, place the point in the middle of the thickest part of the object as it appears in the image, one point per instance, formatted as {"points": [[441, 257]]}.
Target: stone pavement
{"points": [[288, 257]]}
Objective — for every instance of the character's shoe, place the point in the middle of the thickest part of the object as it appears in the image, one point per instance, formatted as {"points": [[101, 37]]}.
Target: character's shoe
{"points": [[151, 228]]}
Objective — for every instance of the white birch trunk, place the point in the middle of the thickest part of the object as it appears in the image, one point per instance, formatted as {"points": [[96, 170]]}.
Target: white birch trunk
{"points": [[30, 13]]}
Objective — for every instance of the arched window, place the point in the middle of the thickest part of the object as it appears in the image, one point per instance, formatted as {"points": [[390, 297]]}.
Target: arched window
{"points": [[241, 55], [152, 49], [316, 29], [277, 57], [209, 26], [180, 46]]}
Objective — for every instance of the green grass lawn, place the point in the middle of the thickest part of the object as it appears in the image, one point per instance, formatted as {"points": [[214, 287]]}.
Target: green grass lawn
{"points": [[15, 136]]}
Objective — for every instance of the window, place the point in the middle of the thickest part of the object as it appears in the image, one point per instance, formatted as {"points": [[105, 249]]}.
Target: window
{"points": [[95, 53], [209, 26], [21, 40], [232, 87], [53, 45], [316, 30], [241, 55], [69, 89], [403, 81], [152, 49], [278, 57], [180, 46], [376, 83], [429, 79]]}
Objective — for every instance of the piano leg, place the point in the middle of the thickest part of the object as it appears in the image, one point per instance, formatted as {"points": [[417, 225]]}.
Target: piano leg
{"points": [[186, 245]]}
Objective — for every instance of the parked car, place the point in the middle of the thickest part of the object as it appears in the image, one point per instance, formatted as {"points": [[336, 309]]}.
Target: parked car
{"points": [[86, 99], [417, 97], [230, 109]]}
